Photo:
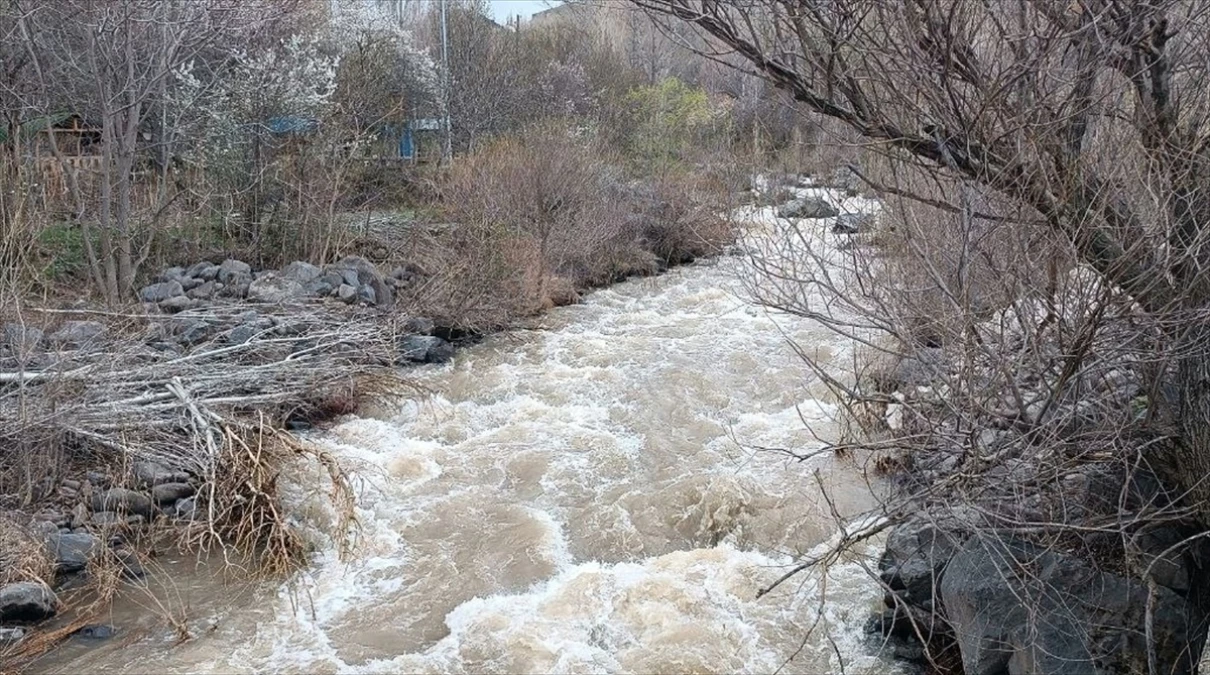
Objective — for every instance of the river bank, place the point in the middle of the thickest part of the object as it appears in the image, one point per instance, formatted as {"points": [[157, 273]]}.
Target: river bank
{"points": [[168, 425], [564, 422]]}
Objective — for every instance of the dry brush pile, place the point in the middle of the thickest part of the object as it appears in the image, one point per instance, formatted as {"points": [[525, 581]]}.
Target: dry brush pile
{"points": [[179, 392]]}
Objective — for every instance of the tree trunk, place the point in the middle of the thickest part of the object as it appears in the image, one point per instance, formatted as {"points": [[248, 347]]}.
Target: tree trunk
{"points": [[1188, 468]]}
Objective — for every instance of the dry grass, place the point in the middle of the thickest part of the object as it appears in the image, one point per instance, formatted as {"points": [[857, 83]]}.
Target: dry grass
{"points": [[22, 557]]}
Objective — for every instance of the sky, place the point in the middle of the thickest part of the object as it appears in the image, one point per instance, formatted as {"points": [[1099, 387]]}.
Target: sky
{"points": [[503, 9]]}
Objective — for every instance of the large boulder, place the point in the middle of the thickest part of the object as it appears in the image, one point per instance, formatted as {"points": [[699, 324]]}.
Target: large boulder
{"points": [[302, 272], [27, 601], [917, 552], [807, 207], [233, 270], [168, 493], [177, 303], [242, 333], [203, 291], [192, 332], [1017, 608], [162, 291], [358, 272], [21, 338], [121, 500], [79, 333], [425, 349], [205, 270], [72, 551], [325, 284], [274, 288]]}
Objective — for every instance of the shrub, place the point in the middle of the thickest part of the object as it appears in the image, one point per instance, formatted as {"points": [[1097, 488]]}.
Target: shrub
{"points": [[530, 209], [547, 213]]}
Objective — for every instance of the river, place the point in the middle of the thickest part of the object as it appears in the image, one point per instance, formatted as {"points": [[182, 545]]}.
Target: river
{"points": [[585, 496]]}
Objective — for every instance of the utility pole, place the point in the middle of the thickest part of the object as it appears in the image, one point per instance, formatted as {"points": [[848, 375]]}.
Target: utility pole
{"points": [[448, 151]]}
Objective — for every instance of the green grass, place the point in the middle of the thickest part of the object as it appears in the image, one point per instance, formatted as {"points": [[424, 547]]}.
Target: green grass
{"points": [[61, 248]]}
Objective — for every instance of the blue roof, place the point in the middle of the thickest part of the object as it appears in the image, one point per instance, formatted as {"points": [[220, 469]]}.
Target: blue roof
{"points": [[292, 125]]}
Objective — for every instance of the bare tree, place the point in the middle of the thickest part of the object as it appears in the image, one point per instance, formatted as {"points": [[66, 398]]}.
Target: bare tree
{"points": [[114, 62], [1045, 169], [1029, 101]]}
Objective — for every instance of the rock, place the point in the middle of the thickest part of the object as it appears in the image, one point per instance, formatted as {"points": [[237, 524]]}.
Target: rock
{"points": [[177, 303], [79, 516], [96, 631], [346, 293], [291, 328], [122, 500], [1160, 555], [132, 567], [79, 333], [170, 492], [160, 292], [43, 528], [234, 287], [21, 338], [419, 325], [302, 272], [917, 552], [193, 332], [425, 349], [231, 269], [367, 295], [205, 291], [149, 474], [320, 288], [807, 207], [364, 273], [892, 622], [11, 634], [852, 223], [325, 285], [99, 479], [383, 295], [27, 601], [241, 334], [204, 270], [172, 274], [1017, 608], [190, 283], [273, 288], [52, 516], [73, 551], [186, 509], [106, 519], [364, 268]]}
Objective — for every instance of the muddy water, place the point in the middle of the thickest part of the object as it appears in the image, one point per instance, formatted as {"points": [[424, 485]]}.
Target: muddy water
{"points": [[585, 497]]}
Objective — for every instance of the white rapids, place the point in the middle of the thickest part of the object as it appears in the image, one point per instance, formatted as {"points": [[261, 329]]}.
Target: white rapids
{"points": [[584, 497]]}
